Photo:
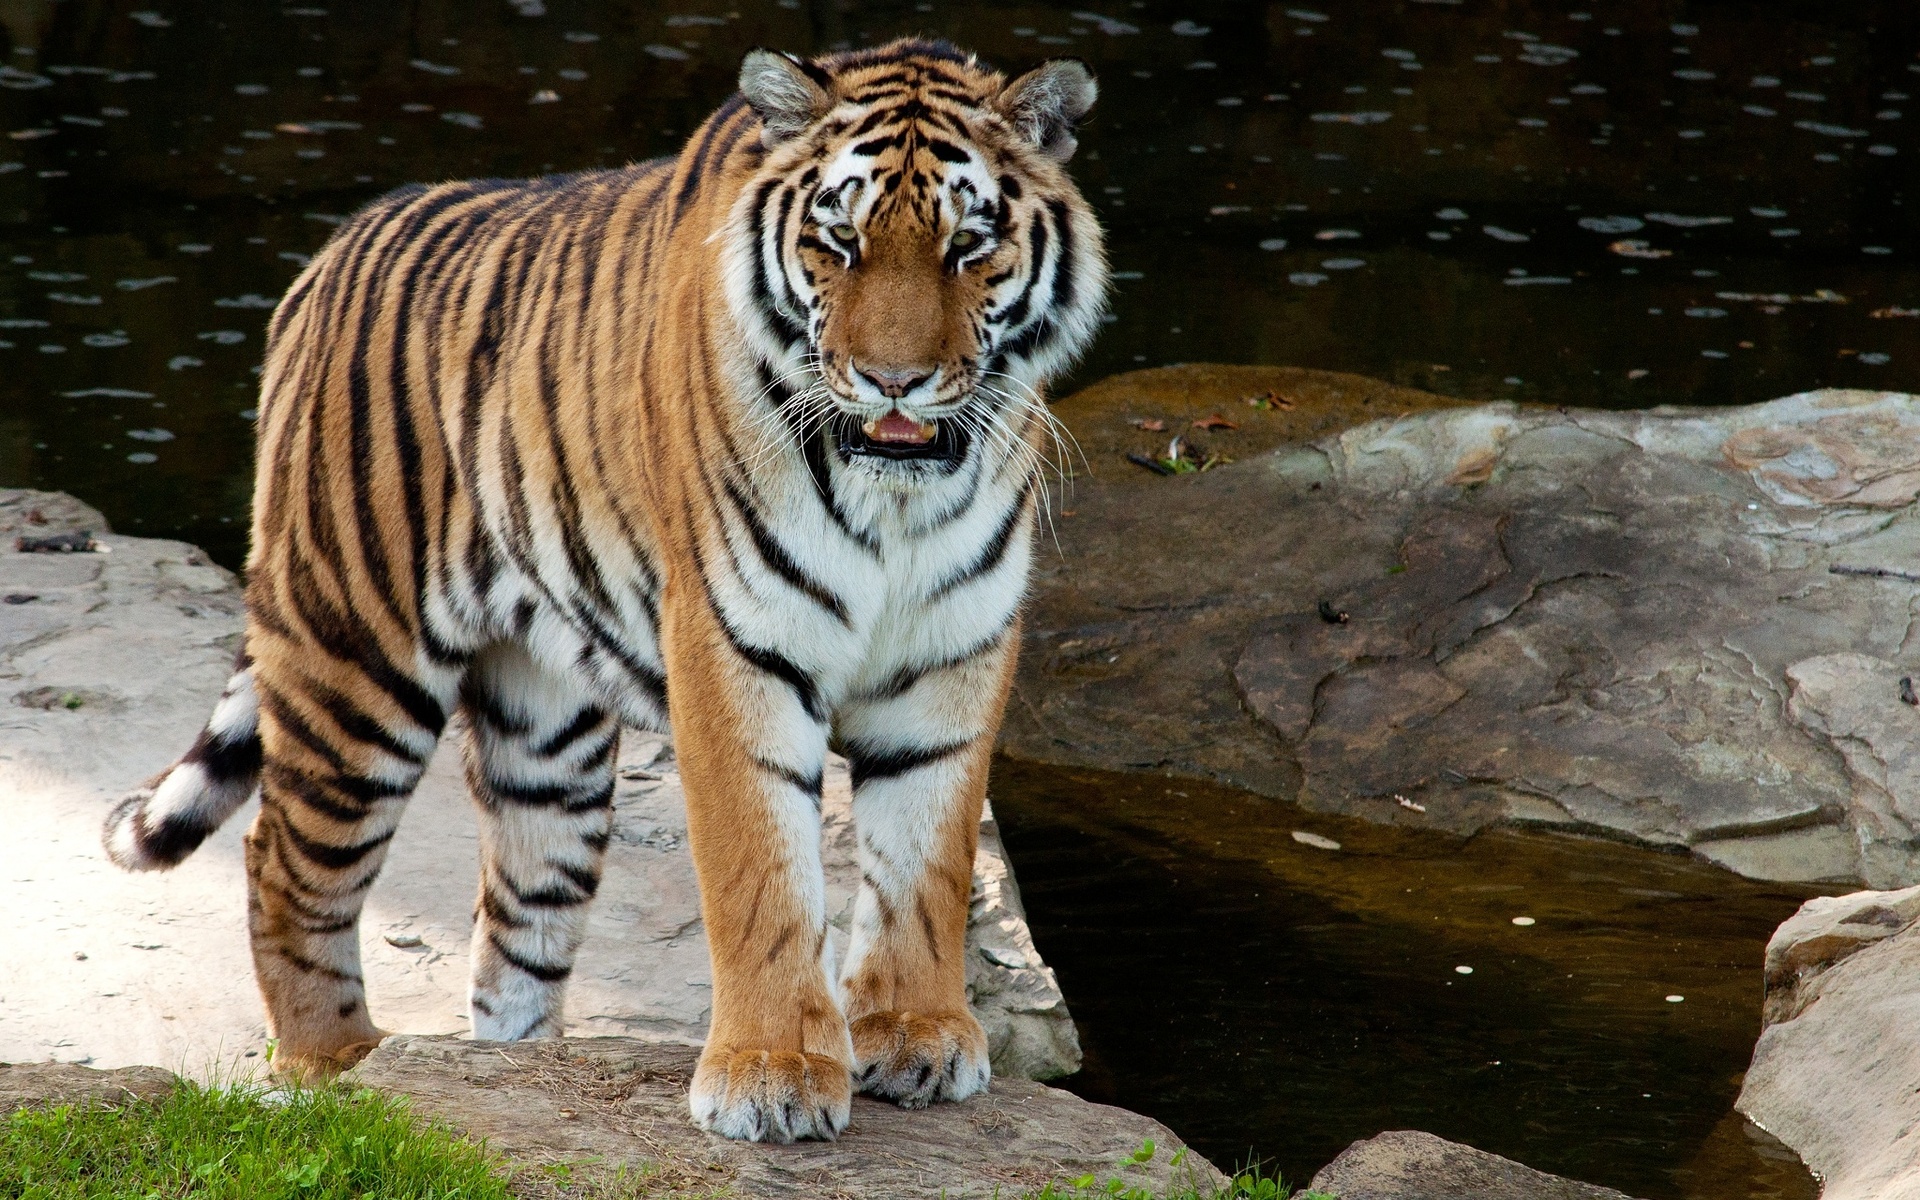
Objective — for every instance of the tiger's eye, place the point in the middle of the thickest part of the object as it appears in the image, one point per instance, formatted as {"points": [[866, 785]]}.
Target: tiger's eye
{"points": [[965, 239], [845, 233]]}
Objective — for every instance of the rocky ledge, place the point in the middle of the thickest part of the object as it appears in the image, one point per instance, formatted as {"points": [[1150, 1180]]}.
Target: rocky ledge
{"points": [[1682, 628], [1834, 1072], [110, 661]]}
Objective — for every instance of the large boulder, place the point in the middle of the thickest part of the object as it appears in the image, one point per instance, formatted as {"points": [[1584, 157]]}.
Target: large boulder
{"points": [[1678, 627], [110, 661], [621, 1103], [1834, 1074]]}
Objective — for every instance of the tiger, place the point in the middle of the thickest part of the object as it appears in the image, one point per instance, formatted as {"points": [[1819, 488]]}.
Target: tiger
{"points": [[747, 445]]}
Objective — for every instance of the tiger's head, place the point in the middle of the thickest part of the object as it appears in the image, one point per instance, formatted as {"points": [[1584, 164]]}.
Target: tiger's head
{"points": [[912, 262]]}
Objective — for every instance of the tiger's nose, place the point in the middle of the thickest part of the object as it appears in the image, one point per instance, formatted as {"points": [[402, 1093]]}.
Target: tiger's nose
{"points": [[895, 382]]}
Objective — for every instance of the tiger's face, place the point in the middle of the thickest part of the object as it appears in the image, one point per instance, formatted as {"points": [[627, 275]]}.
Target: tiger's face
{"points": [[913, 261]]}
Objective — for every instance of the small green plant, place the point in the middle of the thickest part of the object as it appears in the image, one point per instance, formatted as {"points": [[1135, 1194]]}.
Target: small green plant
{"points": [[1252, 1183]]}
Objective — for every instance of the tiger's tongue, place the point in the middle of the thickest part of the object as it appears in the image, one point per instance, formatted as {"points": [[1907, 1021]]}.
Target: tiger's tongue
{"points": [[899, 428]]}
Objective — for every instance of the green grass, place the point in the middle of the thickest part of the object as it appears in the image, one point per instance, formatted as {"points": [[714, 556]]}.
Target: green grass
{"points": [[245, 1143], [236, 1143]]}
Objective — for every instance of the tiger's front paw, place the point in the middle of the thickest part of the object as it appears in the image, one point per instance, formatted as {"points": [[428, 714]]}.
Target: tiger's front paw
{"points": [[914, 1059], [771, 1095]]}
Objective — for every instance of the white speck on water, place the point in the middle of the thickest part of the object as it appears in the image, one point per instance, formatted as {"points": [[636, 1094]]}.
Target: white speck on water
{"points": [[106, 341], [670, 53], [193, 248], [1783, 232], [1342, 264], [433, 68], [250, 300], [136, 285], [544, 96], [143, 457], [1532, 122], [1463, 970], [150, 435], [108, 393], [1306, 14], [1713, 354], [1876, 249], [1504, 235], [1874, 358], [1315, 840], [1104, 24], [1829, 130], [1306, 278], [1273, 243], [1707, 313], [1450, 214], [1685, 222], [250, 89], [1611, 224], [465, 120], [1764, 81], [1185, 28], [1693, 73], [1768, 212], [223, 337], [1334, 235], [1517, 280], [1675, 999], [1523, 921], [1882, 150], [1758, 110], [1400, 55], [1352, 118], [1439, 235], [72, 298], [181, 362]]}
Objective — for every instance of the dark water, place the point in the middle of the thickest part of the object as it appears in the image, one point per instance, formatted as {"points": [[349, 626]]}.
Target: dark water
{"points": [[1447, 179], [1274, 1000]]}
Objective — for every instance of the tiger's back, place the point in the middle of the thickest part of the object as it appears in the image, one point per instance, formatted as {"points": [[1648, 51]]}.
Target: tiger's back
{"points": [[744, 443]]}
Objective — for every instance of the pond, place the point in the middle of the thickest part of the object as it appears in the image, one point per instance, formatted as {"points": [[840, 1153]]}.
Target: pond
{"points": [[1584, 1007], [1614, 205]]}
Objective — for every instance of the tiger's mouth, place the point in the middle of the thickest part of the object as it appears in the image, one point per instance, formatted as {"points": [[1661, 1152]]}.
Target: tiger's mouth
{"points": [[899, 437]]}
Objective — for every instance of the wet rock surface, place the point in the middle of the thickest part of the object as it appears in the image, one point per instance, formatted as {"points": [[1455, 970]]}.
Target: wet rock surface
{"points": [[623, 1102], [109, 664], [1620, 623], [1833, 1074], [1407, 1165]]}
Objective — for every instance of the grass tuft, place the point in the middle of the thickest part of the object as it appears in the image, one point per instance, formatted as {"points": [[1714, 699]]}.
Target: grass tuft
{"points": [[242, 1143]]}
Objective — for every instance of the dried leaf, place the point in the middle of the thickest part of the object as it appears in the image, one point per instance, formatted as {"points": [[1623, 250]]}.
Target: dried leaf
{"points": [[1150, 424], [1215, 421]]}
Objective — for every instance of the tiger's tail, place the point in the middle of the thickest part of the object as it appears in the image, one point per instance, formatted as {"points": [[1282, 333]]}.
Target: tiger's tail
{"points": [[168, 817]]}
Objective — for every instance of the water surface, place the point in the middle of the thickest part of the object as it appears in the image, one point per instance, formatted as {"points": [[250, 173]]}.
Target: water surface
{"points": [[1270, 998], [1614, 205]]}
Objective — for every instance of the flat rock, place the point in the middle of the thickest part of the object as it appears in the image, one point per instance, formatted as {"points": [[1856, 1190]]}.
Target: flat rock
{"points": [[1834, 1071], [1623, 623], [25, 1085], [1404, 1164], [623, 1102], [110, 663]]}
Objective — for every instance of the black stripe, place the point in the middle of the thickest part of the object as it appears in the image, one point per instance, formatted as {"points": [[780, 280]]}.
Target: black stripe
{"points": [[905, 678], [543, 973], [326, 854], [587, 720], [775, 556], [812, 784], [871, 764], [992, 553]]}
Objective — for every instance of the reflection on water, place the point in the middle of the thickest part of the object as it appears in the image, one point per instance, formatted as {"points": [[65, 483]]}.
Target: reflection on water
{"points": [[1635, 203], [1584, 1007]]}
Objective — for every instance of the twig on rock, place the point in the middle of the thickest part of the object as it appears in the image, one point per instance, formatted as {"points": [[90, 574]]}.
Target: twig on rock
{"points": [[1875, 572]]}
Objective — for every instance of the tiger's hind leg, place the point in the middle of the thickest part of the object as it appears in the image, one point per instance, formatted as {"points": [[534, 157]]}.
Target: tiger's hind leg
{"points": [[343, 748], [540, 764]]}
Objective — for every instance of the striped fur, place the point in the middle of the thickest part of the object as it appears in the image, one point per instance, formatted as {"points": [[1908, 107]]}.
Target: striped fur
{"points": [[624, 447]]}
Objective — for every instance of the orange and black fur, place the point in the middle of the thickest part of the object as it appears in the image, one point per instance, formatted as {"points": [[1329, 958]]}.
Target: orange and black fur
{"points": [[742, 443]]}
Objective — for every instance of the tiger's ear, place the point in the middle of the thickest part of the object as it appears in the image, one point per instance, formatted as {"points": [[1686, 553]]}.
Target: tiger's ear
{"points": [[1046, 103], [785, 91]]}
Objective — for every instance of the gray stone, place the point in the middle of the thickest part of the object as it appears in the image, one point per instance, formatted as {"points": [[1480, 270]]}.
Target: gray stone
{"points": [[110, 664], [1615, 623], [623, 1102], [1403, 1164], [30, 1085], [1834, 1071]]}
